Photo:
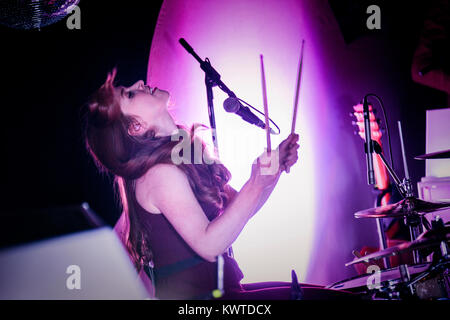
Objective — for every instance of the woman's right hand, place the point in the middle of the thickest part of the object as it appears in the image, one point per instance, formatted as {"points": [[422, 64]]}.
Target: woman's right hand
{"points": [[267, 168]]}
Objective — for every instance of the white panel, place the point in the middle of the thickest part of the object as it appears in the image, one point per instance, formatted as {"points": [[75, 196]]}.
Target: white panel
{"points": [[37, 271], [438, 139]]}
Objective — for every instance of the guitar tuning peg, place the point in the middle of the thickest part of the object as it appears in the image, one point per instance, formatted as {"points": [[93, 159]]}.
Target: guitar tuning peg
{"points": [[350, 114], [355, 133], [354, 123]]}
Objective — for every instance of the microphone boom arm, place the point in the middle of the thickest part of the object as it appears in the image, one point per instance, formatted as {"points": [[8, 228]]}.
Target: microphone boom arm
{"points": [[212, 79], [206, 66]]}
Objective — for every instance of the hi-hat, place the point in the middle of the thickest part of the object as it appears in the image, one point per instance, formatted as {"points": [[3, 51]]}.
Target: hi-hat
{"points": [[435, 155], [403, 208]]}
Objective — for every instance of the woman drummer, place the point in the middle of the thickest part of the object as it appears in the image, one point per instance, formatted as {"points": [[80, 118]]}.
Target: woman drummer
{"points": [[177, 217]]}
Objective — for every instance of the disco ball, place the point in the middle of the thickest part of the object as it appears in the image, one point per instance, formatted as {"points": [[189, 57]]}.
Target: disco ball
{"points": [[33, 14]]}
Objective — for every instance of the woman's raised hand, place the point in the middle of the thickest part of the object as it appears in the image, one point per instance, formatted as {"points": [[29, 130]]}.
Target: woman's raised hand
{"points": [[267, 168], [288, 150]]}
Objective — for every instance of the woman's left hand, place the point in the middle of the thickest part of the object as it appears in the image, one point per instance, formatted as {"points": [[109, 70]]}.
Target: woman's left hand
{"points": [[267, 168], [288, 152]]}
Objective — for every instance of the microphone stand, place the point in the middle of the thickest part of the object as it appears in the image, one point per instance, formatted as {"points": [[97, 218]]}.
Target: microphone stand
{"points": [[369, 149], [210, 83], [212, 79]]}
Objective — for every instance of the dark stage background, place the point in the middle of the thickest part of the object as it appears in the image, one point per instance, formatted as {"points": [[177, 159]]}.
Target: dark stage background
{"points": [[48, 75]]}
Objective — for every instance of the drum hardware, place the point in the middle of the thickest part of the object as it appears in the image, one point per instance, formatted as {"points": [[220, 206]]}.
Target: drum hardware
{"points": [[389, 285], [419, 281], [437, 237], [410, 207], [444, 154], [406, 190], [427, 281], [404, 208], [404, 273], [401, 248], [405, 276], [431, 283], [444, 249], [400, 283], [434, 288]]}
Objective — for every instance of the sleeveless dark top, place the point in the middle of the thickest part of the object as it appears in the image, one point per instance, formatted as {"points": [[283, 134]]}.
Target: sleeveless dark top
{"points": [[179, 272]]}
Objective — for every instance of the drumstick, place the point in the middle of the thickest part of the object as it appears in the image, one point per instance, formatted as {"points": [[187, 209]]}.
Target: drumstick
{"points": [[266, 108], [297, 90], [356, 254]]}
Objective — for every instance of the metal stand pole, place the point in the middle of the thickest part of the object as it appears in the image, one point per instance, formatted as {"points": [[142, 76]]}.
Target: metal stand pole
{"points": [[212, 121], [212, 79], [382, 240], [412, 219]]}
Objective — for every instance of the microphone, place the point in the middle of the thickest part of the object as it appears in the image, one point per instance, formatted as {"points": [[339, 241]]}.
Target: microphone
{"points": [[368, 145], [186, 46], [233, 105]]}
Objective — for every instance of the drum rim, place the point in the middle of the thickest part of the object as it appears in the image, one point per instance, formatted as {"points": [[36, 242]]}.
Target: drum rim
{"points": [[366, 275]]}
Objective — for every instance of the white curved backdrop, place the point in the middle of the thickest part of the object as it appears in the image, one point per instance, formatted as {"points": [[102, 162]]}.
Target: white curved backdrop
{"points": [[300, 227]]}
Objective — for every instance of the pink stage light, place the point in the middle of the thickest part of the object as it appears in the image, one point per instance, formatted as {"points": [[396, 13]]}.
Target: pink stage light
{"points": [[232, 34]]}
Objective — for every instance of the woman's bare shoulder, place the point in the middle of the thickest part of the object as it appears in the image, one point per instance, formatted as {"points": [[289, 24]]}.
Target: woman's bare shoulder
{"points": [[163, 173], [158, 179]]}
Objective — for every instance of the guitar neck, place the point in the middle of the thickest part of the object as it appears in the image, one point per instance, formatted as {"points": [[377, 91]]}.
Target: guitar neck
{"points": [[381, 175]]}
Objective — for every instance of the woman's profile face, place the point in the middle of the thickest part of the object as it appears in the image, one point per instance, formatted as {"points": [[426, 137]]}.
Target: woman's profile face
{"points": [[143, 102]]}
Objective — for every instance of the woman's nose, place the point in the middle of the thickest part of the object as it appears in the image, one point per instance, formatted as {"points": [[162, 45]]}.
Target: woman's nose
{"points": [[139, 84]]}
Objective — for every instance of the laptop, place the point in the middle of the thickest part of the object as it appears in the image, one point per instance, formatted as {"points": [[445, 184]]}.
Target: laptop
{"points": [[87, 263]]}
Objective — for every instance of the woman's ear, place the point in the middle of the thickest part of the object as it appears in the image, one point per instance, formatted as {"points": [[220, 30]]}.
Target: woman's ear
{"points": [[136, 128]]}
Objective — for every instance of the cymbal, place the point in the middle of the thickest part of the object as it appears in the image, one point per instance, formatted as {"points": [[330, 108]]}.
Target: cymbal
{"points": [[435, 155], [424, 241], [403, 208]]}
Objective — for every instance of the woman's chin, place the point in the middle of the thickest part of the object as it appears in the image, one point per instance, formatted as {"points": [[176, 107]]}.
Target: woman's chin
{"points": [[170, 102]]}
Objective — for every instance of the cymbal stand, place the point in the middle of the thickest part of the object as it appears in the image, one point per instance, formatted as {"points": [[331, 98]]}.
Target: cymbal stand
{"points": [[439, 226], [412, 219], [442, 262]]}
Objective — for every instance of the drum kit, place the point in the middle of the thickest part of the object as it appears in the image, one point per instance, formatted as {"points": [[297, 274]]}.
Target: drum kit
{"points": [[428, 277], [422, 280]]}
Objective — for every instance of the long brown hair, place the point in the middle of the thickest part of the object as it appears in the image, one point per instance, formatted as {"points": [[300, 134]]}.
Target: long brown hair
{"points": [[129, 157]]}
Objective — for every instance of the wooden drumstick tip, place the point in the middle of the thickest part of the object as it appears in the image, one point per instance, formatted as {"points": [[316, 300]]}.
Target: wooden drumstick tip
{"points": [[356, 254], [297, 89], [266, 108]]}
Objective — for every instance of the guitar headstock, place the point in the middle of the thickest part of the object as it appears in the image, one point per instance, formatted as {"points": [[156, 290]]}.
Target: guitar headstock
{"points": [[375, 129], [381, 176]]}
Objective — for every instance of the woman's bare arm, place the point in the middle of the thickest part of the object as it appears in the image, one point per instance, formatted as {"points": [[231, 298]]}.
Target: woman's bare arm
{"points": [[167, 187], [262, 199]]}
